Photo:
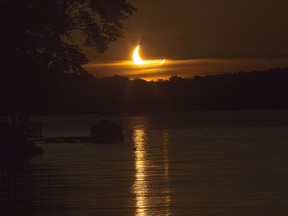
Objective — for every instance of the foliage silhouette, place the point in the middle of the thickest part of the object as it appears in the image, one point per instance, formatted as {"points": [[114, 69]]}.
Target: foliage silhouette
{"points": [[37, 42], [37, 36], [253, 90]]}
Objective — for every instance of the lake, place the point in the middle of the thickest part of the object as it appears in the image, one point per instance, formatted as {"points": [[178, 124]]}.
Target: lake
{"points": [[197, 163]]}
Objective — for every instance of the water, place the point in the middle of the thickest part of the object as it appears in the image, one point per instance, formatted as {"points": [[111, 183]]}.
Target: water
{"points": [[199, 163]]}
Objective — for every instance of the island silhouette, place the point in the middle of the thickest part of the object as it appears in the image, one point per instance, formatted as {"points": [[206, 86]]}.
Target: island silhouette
{"points": [[73, 94]]}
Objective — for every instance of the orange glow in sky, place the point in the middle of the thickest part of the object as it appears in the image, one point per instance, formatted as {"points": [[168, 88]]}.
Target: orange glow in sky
{"points": [[156, 69]]}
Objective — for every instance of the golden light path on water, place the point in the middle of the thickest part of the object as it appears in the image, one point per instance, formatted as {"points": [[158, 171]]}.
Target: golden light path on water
{"points": [[147, 198], [140, 186]]}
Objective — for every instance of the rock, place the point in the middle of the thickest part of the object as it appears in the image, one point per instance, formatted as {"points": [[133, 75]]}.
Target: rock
{"points": [[107, 131]]}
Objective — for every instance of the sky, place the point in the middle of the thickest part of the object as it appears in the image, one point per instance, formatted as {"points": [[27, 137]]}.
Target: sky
{"points": [[198, 37]]}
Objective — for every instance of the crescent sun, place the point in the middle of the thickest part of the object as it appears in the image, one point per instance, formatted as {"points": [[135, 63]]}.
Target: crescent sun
{"points": [[136, 58]]}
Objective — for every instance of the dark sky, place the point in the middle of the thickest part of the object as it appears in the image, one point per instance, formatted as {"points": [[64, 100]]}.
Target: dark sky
{"points": [[212, 29]]}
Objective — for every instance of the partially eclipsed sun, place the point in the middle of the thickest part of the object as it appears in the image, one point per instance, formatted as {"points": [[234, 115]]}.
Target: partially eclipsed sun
{"points": [[138, 60], [136, 57]]}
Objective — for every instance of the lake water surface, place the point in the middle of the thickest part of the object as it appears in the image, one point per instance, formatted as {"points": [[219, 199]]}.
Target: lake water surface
{"points": [[198, 163]]}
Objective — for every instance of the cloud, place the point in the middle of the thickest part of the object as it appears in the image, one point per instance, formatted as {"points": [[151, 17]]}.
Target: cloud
{"points": [[184, 68]]}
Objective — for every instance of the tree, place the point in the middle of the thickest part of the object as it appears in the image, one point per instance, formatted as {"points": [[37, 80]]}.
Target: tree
{"points": [[37, 40], [37, 35]]}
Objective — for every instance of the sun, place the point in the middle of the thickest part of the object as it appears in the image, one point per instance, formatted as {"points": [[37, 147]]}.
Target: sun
{"points": [[137, 60], [136, 57]]}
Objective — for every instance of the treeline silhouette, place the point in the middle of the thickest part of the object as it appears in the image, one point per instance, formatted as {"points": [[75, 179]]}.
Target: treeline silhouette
{"points": [[70, 93]]}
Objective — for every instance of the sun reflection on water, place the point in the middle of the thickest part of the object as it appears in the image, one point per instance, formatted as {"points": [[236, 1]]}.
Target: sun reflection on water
{"points": [[165, 143], [140, 186], [152, 192]]}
